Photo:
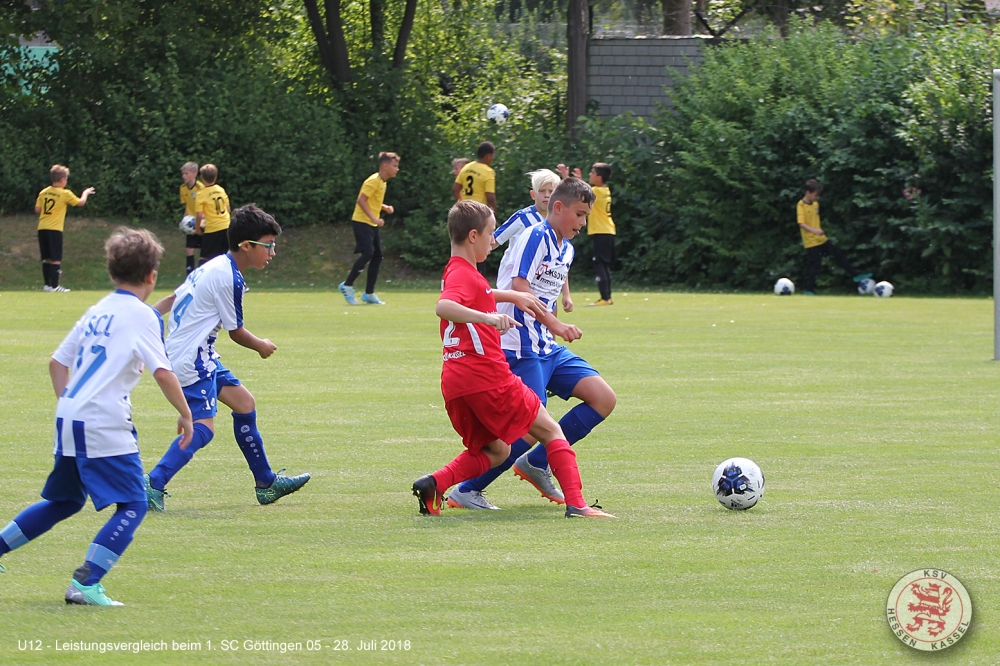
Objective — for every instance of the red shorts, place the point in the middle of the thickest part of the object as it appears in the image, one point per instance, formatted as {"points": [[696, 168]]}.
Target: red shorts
{"points": [[505, 413]]}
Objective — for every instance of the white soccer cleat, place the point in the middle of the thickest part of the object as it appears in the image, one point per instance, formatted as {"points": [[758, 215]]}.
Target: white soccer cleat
{"points": [[541, 479], [471, 500]]}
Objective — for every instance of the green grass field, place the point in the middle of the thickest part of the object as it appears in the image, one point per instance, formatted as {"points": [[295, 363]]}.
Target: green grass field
{"points": [[874, 420]]}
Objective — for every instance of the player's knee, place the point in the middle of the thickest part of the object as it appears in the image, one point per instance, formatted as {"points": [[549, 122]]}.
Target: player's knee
{"points": [[606, 402], [134, 511], [69, 507]]}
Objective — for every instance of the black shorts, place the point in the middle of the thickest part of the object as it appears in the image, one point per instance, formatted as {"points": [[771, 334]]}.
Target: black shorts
{"points": [[604, 247], [50, 244], [192, 241], [214, 244], [366, 239]]}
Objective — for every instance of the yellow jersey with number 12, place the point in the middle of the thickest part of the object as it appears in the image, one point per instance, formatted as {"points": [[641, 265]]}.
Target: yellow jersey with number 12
{"points": [[53, 202], [599, 221], [214, 203], [477, 179]]}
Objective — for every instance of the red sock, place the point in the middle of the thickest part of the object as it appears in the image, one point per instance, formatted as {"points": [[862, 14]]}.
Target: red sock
{"points": [[465, 466], [562, 460]]}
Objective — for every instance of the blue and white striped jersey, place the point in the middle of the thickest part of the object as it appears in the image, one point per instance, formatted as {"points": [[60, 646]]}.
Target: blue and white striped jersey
{"points": [[538, 257], [209, 300], [106, 352], [513, 227]]}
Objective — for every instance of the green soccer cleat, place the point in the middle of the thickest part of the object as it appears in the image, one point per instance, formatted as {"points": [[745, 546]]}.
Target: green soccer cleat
{"points": [[861, 277], [281, 486], [155, 498], [89, 595]]}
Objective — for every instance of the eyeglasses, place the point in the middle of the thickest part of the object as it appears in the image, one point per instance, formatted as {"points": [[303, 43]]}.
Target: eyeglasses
{"points": [[271, 247]]}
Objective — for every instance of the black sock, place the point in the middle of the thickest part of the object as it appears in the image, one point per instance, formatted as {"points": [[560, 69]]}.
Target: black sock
{"points": [[190, 263], [46, 274], [55, 274]]}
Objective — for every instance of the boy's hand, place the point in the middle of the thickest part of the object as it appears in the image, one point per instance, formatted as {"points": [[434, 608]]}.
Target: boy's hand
{"points": [[567, 303], [186, 428], [501, 322], [389, 209], [529, 303], [567, 332], [577, 173], [266, 348], [563, 170], [380, 222], [89, 191]]}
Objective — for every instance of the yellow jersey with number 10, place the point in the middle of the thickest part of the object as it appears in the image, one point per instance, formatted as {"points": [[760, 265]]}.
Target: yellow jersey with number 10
{"points": [[53, 202], [599, 221], [477, 179], [214, 203]]}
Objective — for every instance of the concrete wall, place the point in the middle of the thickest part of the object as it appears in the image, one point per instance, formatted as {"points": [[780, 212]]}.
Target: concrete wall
{"points": [[630, 73]]}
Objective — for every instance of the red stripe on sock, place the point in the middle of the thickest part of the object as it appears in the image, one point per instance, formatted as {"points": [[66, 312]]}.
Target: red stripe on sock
{"points": [[465, 466], [562, 460]]}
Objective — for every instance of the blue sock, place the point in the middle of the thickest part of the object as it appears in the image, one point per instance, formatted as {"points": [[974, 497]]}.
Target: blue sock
{"points": [[113, 539], [517, 449], [174, 458], [33, 522], [576, 424], [252, 446]]}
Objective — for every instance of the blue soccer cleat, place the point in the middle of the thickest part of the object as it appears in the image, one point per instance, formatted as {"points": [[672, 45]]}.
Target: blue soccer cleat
{"points": [[281, 486], [348, 293], [372, 299]]}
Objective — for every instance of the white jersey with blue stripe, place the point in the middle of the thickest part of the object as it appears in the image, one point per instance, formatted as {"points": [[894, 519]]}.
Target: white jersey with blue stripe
{"points": [[538, 257], [209, 300], [106, 351], [514, 227]]}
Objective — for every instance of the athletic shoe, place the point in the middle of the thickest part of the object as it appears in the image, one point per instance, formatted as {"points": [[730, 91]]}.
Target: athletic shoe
{"points": [[592, 511], [372, 299], [601, 301], [861, 277], [541, 479], [281, 486], [808, 293], [3, 569], [61, 290], [48, 288], [154, 497], [426, 492], [348, 293], [471, 500], [89, 595]]}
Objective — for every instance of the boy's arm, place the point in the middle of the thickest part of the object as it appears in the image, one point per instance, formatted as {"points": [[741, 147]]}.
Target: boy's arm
{"points": [[245, 338], [491, 200], [456, 312], [389, 209], [164, 304], [172, 392], [83, 197], [38, 210], [456, 189], [567, 332], [199, 220], [363, 204], [526, 302], [818, 232], [60, 376], [567, 301]]}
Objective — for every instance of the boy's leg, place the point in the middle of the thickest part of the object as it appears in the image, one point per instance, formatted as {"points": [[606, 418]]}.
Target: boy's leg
{"points": [[562, 459], [374, 264], [604, 256], [364, 245], [841, 258], [814, 255], [175, 458]]}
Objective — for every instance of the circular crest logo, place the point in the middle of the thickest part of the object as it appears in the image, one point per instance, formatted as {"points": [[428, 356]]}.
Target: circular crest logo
{"points": [[929, 609]]}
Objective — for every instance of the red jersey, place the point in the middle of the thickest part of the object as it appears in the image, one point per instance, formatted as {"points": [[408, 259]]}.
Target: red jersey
{"points": [[473, 360]]}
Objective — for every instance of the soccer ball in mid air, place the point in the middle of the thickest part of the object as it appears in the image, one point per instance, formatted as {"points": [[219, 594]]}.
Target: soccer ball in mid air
{"points": [[883, 289], [738, 484], [498, 113], [784, 287], [866, 287], [187, 224]]}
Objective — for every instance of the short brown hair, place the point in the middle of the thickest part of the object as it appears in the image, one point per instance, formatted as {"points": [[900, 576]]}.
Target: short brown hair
{"points": [[384, 158], [813, 185], [572, 190], [603, 169], [58, 172], [209, 173], [465, 216], [132, 255], [484, 149], [190, 166]]}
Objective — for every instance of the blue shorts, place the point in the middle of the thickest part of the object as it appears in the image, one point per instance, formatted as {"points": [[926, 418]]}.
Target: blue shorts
{"points": [[557, 373], [203, 395], [107, 480]]}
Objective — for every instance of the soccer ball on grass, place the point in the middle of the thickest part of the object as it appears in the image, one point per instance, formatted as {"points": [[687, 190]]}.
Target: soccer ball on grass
{"points": [[866, 287], [498, 114], [784, 287], [883, 289], [738, 484]]}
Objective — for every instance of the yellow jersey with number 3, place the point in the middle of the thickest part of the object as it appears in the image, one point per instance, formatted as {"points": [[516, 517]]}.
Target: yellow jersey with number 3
{"points": [[599, 221], [189, 196], [374, 189], [52, 201], [808, 214], [213, 202], [477, 179]]}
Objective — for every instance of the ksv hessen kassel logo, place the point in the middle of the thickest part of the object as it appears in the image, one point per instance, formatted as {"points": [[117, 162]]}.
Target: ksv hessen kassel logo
{"points": [[929, 609]]}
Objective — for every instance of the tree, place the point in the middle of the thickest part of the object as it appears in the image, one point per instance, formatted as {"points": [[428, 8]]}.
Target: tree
{"points": [[676, 17], [576, 63]]}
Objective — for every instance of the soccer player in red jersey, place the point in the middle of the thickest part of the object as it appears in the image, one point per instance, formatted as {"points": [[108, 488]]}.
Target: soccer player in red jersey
{"points": [[488, 405]]}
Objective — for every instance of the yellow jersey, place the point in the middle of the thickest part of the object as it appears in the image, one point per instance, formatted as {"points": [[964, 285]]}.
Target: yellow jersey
{"points": [[213, 202], [809, 214], [53, 201], [374, 189], [477, 180], [189, 196], [599, 221]]}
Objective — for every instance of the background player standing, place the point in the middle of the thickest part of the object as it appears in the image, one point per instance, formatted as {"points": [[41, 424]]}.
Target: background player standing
{"points": [[212, 215], [814, 240], [212, 298], [50, 206], [487, 404], [189, 195], [366, 221], [96, 446]]}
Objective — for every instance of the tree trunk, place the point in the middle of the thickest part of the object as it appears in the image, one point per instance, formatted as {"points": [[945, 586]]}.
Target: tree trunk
{"points": [[376, 15], [330, 40], [676, 17], [780, 9], [405, 28], [576, 66]]}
